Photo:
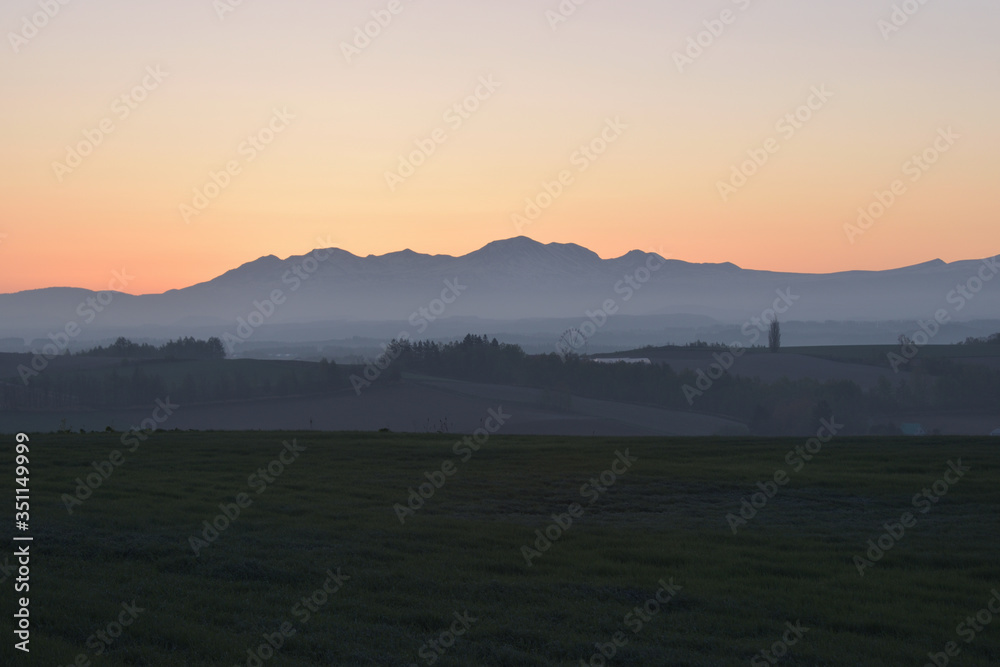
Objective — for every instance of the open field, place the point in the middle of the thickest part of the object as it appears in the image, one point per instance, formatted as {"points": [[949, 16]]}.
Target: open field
{"points": [[863, 364], [662, 518], [773, 367], [431, 387], [416, 404]]}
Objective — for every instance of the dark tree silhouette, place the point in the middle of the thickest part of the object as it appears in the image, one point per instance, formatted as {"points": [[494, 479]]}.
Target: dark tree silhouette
{"points": [[182, 348], [774, 336]]}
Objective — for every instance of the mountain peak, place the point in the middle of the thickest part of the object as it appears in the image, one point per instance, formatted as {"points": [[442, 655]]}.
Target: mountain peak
{"points": [[513, 244], [923, 266]]}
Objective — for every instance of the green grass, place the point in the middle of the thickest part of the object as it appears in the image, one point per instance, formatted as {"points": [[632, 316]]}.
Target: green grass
{"points": [[663, 519]]}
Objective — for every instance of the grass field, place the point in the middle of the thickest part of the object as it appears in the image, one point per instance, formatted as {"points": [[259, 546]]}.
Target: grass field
{"points": [[400, 586]]}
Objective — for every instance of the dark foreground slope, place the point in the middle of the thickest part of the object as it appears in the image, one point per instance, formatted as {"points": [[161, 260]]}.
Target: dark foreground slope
{"points": [[329, 511]]}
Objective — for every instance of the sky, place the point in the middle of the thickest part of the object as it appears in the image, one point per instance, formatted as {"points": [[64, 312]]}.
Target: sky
{"points": [[178, 140]]}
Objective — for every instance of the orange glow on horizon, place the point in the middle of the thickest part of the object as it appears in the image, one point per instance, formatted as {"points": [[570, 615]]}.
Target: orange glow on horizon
{"points": [[113, 127]]}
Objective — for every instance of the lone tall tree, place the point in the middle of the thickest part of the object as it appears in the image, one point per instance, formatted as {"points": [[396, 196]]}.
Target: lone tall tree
{"points": [[774, 336]]}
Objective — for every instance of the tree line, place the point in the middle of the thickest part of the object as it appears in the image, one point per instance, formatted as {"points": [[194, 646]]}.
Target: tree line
{"points": [[783, 407], [191, 371], [182, 348]]}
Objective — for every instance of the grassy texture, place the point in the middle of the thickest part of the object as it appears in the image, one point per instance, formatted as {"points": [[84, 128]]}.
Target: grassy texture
{"points": [[663, 519]]}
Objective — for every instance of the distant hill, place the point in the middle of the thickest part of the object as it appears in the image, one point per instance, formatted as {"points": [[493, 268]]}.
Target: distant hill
{"points": [[513, 279]]}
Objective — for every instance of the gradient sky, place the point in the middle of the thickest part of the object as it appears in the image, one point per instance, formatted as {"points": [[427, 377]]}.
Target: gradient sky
{"points": [[322, 180]]}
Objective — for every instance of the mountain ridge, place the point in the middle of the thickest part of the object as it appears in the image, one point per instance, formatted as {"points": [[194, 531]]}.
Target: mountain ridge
{"points": [[511, 279]]}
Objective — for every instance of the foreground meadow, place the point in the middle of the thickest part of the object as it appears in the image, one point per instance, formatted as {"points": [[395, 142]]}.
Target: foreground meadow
{"points": [[332, 561]]}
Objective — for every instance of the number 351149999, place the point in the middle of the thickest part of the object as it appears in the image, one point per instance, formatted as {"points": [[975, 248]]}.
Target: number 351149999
{"points": [[22, 477]]}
